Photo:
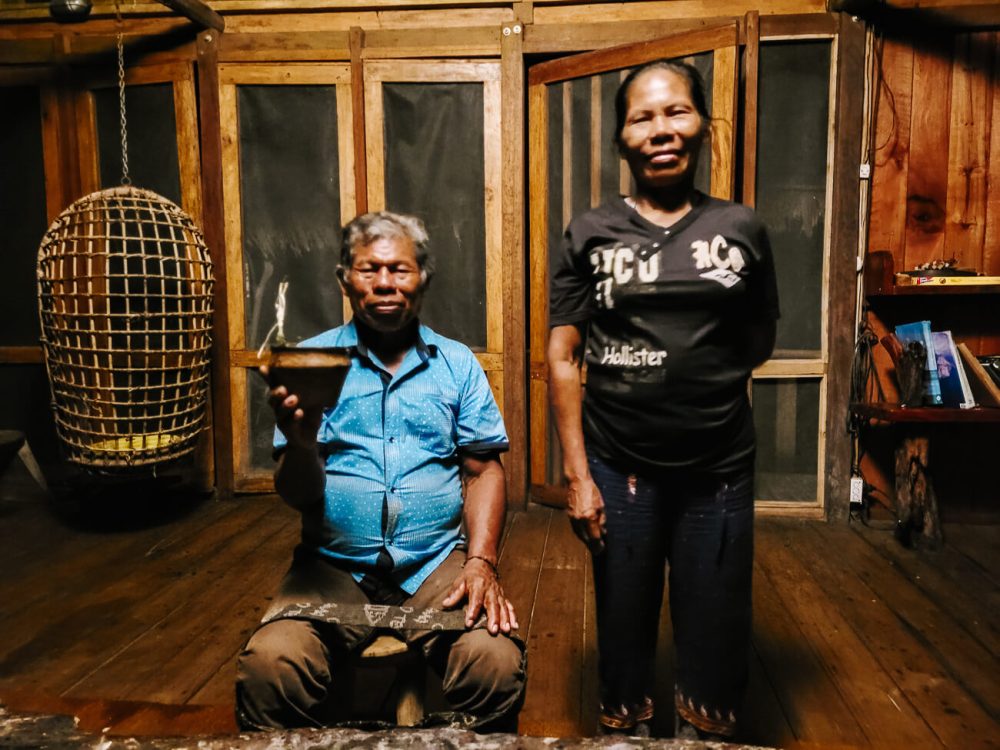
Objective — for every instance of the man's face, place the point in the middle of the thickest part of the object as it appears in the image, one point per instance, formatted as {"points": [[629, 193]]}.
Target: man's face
{"points": [[384, 284]]}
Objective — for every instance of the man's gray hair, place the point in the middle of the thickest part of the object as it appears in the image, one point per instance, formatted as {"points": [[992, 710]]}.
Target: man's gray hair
{"points": [[385, 225]]}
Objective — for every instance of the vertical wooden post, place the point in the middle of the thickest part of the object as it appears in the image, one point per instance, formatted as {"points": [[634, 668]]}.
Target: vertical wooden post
{"points": [[596, 145], [215, 237], [845, 226], [751, 65], [357, 42], [512, 202], [538, 144]]}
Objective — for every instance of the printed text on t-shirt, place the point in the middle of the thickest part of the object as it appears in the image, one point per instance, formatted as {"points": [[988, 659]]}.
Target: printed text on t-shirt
{"points": [[726, 269], [620, 264], [628, 356]]}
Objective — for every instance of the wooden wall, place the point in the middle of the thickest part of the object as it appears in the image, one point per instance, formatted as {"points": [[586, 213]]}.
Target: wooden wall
{"points": [[935, 190], [34, 49], [935, 194]]}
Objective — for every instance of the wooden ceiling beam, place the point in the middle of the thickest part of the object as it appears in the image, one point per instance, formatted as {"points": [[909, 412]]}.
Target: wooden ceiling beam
{"points": [[197, 11]]}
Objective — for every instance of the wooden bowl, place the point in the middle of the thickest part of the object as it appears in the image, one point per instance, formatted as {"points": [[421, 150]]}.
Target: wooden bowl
{"points": [[314, 374]]}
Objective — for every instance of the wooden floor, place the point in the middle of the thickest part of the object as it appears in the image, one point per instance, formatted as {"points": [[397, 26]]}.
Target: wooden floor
{"points": [[131, 619]]}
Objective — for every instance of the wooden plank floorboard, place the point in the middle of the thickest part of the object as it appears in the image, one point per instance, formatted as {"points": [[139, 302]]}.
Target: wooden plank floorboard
{"points": [[96, 617], [552, 705], [193, 664], [101, 550], [810, 699], [521, 561], [924, 609], [174, 656], [129, 718], [67, 598], [946, 577], [590, 691], [887, 718], [218, 689], [21, 551], [165, 720], [955, 717], [54, 575], [81, 631], [763, 721], [980, 543]]}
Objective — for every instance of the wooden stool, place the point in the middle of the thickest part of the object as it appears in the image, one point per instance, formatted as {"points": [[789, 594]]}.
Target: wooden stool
{"points": [[14, 441], [388, 650]]}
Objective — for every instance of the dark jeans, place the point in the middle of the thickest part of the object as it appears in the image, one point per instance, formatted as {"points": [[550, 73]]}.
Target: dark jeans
{"points": [[702, 527]]}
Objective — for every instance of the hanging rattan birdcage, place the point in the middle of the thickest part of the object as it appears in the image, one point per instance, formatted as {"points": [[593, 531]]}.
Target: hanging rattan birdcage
{"points": [[125, 296]]}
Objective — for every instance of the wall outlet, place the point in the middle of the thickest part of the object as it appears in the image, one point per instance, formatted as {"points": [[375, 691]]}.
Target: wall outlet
{"points": [[857, 491]]}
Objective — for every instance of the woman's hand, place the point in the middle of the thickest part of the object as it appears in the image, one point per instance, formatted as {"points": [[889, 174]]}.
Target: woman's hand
{"points": [[478, 583], [586, 513]]}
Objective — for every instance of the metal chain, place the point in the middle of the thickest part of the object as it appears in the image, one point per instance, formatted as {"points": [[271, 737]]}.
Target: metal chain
{"points": [[126, 180]]}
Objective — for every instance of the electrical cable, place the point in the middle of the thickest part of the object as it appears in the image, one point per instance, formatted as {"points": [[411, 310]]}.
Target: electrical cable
{"points": [[865, 383], [865, 386]]}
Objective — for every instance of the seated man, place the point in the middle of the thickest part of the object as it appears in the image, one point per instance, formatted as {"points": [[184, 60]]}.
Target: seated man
{"points": [[379, 481]]}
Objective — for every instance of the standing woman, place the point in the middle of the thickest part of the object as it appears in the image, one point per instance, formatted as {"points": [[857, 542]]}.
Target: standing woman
{"points": [[669, 297]]}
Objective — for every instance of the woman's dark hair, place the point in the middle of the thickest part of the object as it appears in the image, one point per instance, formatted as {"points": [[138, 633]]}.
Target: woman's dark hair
{"points": [[696, 86]]}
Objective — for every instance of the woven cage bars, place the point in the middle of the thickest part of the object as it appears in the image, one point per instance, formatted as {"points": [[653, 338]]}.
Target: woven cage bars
{"points": [[125, 298]]}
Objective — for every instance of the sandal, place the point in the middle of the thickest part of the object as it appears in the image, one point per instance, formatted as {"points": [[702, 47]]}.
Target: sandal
{"points": [[622, 717]]}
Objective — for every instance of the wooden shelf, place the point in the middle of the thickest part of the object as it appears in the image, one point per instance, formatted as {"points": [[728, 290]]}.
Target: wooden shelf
{"points": [[933, 290], [880, 281], [889, 412]]}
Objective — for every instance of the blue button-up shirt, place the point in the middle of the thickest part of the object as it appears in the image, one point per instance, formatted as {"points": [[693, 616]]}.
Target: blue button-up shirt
{"points": [[395, 439]]}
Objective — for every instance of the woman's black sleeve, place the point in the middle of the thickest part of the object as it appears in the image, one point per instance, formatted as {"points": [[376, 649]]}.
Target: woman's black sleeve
{"points": [[570, 284]]}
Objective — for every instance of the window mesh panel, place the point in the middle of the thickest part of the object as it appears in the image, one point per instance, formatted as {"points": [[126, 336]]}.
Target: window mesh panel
{"points": [[290, 196], [786, 417], [434, 156], [22, 213], [792, 130], [152, 138], [260, 424]]}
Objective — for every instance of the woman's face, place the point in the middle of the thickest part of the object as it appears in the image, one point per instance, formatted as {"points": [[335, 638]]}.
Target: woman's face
{"points": [[663, 131]]}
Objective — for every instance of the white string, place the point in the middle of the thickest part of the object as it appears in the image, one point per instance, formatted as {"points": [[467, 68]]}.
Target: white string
{"points": [[279, 325]]}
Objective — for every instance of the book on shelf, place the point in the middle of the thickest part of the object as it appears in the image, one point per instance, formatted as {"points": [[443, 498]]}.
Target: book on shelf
{"points": [[986, 392], [955, 389], [920, 333]]}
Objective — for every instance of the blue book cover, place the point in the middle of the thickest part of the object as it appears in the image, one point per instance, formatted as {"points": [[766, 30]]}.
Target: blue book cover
{"points": [[921, 332]]}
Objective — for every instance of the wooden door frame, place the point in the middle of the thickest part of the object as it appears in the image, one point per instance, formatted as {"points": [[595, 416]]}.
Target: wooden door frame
{"points": [[241, 359], [378, 72], [504, 355], [500, 47]]}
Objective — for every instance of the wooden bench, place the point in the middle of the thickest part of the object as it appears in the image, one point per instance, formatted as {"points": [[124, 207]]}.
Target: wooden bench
{"points": [[388, 650]]}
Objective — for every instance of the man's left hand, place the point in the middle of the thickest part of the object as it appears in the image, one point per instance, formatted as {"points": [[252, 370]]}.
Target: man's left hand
{"points": [[479, 584]]}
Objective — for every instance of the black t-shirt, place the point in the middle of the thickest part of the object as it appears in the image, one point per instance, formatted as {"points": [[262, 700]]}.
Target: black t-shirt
{"points": [[665, 311]]}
